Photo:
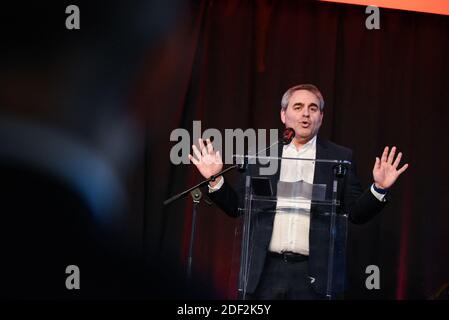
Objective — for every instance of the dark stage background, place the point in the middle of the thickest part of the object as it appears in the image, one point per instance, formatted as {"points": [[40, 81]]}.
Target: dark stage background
{"points": [[86, 118]]}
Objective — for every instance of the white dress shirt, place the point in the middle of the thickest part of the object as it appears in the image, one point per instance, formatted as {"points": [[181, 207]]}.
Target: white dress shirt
{"points": [[291, 229]]}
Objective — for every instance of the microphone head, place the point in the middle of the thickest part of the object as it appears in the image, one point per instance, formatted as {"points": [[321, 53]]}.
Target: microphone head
{"points": [[287, 135]]}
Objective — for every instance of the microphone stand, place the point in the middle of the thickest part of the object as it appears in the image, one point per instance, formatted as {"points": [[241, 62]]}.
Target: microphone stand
{"points": [[196, 197], [199, 185]]}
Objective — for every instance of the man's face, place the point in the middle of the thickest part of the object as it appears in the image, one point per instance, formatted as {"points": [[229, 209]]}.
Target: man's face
{"points": [[303, 115]]}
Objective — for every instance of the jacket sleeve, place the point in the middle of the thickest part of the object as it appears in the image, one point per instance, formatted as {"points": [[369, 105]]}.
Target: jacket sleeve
{"points": [[361, 205], [229, 199]]}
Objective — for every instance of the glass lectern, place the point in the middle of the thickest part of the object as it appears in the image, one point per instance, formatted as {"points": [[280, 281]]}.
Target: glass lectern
{"points": [[269, 200]]}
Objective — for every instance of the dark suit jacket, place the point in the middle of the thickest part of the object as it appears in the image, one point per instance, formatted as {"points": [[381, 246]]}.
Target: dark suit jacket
{"points": [[360, 206]]}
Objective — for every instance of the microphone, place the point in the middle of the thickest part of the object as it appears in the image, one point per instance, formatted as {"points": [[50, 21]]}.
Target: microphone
{"points": [[287, 136]]}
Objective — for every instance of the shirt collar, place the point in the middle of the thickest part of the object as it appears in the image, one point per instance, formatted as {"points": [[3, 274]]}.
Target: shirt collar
{"points": [[310, 144]]}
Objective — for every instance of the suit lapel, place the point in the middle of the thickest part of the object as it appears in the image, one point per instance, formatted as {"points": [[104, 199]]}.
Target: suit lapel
{"points": [[320, 176]]}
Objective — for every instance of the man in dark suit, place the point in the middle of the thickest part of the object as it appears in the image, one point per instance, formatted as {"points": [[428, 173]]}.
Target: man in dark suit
{"points": [[289, 259]]}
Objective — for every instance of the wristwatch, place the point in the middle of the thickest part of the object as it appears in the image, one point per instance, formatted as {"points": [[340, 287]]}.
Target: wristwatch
{"points": [[379, 190]]}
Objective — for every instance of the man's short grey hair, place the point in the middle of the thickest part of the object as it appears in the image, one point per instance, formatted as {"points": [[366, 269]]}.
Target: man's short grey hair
{"points": [[308, 87]]}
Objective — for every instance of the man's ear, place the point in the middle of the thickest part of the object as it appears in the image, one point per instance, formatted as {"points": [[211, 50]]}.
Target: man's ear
{"points": [[283, 116]]}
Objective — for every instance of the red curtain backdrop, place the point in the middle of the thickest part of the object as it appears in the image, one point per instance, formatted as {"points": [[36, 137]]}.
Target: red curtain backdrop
{"points": [[227, 63]]}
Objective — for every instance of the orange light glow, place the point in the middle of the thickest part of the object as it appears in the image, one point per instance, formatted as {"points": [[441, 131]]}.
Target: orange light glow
{"points": [[429, 6]]}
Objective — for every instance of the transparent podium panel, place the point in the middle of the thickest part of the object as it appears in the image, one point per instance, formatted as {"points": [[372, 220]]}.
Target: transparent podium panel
{"points": [[284, 213]]}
